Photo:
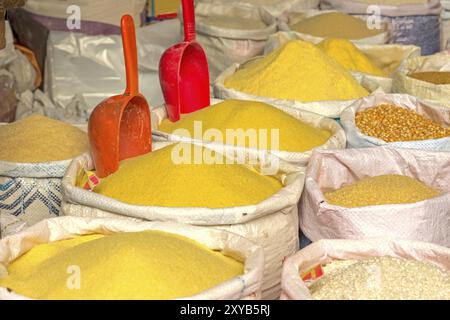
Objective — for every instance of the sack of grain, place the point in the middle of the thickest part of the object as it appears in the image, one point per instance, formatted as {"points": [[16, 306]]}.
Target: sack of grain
{"points": [[331, 109], [275, 7], [326, 251], [403, 83], [435, 112], [387, 57], [231, 33], [336, 141], [329, 170], [445, 25], [272, 223], [32, 191], [291, 18], [246, 286], [414, 22]]}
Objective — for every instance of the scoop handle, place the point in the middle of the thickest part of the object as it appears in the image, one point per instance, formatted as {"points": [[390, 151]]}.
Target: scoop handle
{"points": [[130, 54], [188, 20]]}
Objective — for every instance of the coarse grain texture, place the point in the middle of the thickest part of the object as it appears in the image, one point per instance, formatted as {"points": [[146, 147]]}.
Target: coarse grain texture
{"points": [[384, 278], [434, 77], [392, 123], [135, 265], [379, 190], [335, 25], [155, 179], [349, 56], [294, 135], [237, 23], [41, 139], [297, 71]]}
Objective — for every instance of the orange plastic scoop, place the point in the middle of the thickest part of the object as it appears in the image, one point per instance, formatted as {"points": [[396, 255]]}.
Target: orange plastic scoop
{"points": [[119, 127], [183, 71]]}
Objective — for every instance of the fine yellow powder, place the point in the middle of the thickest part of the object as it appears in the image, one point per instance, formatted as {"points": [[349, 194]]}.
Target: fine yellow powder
{"points": [[379, 190], [294, 135], [137, 265], [335, 25], [349, 56], [297, 71], [155, 180], [41, 139]]}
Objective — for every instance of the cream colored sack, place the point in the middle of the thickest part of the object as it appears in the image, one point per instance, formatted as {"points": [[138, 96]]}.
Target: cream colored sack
{"points": [[325, 251], [292, 17], [331, 109], [438, 113], [426, 220], [422, 89], [246, 286], [387, 57], [336, 141], [273, 223]]}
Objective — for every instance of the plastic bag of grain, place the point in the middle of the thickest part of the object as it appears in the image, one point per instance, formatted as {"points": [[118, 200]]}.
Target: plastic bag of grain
{"points": [[246, 286], [32, 191], [329, 170], [387, 57], [231, 33], [273, 223], [403, 83], [326, 251], [290, 18], [275, 7], [357, 139], [331, 109], [336, 141], [413, 22]]}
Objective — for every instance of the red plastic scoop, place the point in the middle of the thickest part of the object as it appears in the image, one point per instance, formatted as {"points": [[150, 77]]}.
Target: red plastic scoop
{"points": [[183, 71], [119, 127]]}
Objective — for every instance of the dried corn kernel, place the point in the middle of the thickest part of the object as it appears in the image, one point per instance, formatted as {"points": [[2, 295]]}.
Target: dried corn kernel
{"points": [[379, 190], [392, 124], [384, 278]]}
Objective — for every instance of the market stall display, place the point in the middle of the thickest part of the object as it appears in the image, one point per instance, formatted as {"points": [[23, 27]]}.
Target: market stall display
{"points": [[368, 269], [252, 124], [57, 241]]}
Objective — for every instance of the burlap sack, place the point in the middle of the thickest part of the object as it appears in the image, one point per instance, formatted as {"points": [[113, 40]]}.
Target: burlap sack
{"points": [[421, 89], [331, 109], [246, 286], [387, 57], [325, 251], [357, 139], [336, 141], [286, 20], [273, 223], [328, 170]]}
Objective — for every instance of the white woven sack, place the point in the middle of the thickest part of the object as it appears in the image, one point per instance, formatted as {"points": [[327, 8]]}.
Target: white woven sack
{"points": [[331, 109], [356, 139], [286, 20], [336, 141], [427, 220], [325, 251], [32, 191], [246, 286], [387, 57], [225, 45], [275, 7], [273, 223], [422, 89]]}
